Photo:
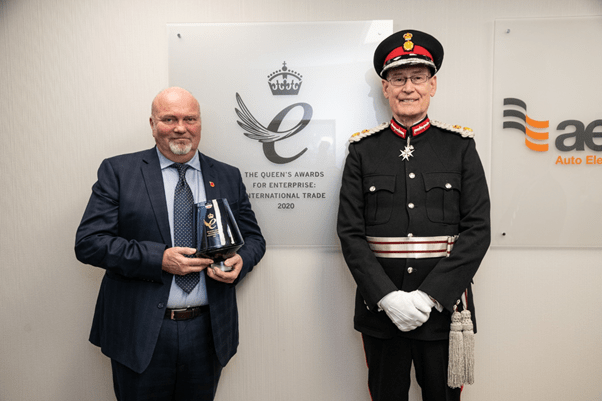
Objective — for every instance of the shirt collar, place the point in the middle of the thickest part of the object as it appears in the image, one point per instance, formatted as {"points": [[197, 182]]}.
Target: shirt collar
{"points": [[195, 162]]}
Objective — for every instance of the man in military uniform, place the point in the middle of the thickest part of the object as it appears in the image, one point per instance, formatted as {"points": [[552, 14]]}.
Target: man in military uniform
{"points": [[414, 225]]}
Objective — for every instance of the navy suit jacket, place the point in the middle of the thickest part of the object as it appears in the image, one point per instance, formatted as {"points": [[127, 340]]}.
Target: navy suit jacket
{"points": [[125, 231]]}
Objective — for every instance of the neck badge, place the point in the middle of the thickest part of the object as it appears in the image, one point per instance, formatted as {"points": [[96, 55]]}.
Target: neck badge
{"points": [[401, 131]]}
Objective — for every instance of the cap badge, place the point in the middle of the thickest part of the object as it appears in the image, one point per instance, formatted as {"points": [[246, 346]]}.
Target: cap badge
{"points": [[408, 45]]}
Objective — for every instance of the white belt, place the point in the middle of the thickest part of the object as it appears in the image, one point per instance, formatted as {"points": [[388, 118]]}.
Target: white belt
{"points": [[412, 247]]}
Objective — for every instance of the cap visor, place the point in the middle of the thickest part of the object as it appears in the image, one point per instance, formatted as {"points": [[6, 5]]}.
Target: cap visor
{"points": [[406, 62]]}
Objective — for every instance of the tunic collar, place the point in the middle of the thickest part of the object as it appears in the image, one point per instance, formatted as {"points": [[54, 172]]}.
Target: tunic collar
{"points": [[415, 129]]}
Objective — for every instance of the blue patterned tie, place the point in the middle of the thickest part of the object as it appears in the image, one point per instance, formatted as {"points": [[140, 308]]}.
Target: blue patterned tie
{"points": [[182, 225]]}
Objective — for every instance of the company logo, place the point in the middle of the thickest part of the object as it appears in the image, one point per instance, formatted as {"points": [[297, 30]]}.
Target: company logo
{"points": [[582, 137], [527, 125], [281, 82]]}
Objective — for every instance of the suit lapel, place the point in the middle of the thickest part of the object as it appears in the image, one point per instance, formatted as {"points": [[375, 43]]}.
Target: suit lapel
{"points": [[209, 178], [153, 179], [214, 288]]}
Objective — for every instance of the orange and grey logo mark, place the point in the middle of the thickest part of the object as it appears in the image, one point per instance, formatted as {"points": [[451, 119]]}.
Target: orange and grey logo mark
{"points": [[527, 125]]}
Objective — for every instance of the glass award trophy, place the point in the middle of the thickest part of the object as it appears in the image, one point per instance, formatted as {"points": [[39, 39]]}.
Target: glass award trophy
{"points": [[216, 232]]}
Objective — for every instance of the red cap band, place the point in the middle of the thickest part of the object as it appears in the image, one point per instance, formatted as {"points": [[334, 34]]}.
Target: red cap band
{"points": [[401, 52]]}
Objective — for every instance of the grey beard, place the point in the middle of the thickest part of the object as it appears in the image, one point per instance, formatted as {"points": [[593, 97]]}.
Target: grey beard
{"points": [[179, 149]]}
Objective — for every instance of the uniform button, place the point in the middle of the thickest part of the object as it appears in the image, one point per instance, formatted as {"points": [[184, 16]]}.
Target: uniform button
{"points": [[448, 185], [410, 270], [410, 235], [412, 175], [372, 188], [161, 305], [411, 205]]}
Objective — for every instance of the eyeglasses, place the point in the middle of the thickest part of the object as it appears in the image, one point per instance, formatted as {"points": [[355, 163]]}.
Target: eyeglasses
{"points": [[416, 79]]}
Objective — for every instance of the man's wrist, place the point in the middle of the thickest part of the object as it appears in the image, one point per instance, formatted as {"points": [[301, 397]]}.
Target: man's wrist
{"points": [[436, 303]]}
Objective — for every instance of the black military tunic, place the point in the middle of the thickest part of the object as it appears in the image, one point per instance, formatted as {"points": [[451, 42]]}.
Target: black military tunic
{"points": [[439, 191]]}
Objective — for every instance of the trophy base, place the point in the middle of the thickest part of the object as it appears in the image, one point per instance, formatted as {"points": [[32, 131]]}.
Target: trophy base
{"points": [[222, 266]]}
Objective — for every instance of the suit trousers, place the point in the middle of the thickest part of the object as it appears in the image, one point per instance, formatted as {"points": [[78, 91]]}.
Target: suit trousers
{"points": [[390, 362], [184, 365]]}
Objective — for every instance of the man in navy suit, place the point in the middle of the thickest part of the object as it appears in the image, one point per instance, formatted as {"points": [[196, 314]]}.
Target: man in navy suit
{"points": [[165, 341]]}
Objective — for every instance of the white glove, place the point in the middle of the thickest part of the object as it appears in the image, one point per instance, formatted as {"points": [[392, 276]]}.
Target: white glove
{"points": [[422, 301], [407, 310]]}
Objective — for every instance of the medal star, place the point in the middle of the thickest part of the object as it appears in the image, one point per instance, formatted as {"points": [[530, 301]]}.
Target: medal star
{"points": [[407, 152]]}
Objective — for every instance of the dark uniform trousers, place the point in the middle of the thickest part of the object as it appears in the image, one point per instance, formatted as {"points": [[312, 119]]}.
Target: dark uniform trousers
{"points": [[390, 361]]}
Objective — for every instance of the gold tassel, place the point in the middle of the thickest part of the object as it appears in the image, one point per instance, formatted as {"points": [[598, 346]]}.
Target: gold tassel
{"points": [[468, 340], [456, 369]]}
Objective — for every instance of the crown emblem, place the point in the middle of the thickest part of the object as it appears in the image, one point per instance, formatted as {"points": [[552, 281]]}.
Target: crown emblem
{"points": [[408, 44], [285, 81]]}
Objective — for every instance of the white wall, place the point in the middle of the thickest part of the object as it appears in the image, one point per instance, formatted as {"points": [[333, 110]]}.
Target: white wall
{"points": [[76, 82]]}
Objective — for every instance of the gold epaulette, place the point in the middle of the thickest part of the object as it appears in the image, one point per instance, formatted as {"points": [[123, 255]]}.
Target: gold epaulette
{"points": [[358, 136], [464, 131]]}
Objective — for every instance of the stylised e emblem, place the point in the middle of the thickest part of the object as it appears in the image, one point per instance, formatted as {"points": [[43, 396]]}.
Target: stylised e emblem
{"points": [[270, 135]]}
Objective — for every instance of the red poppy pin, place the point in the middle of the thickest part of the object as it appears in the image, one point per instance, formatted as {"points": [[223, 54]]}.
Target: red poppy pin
{"points": [[212, 184]]}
